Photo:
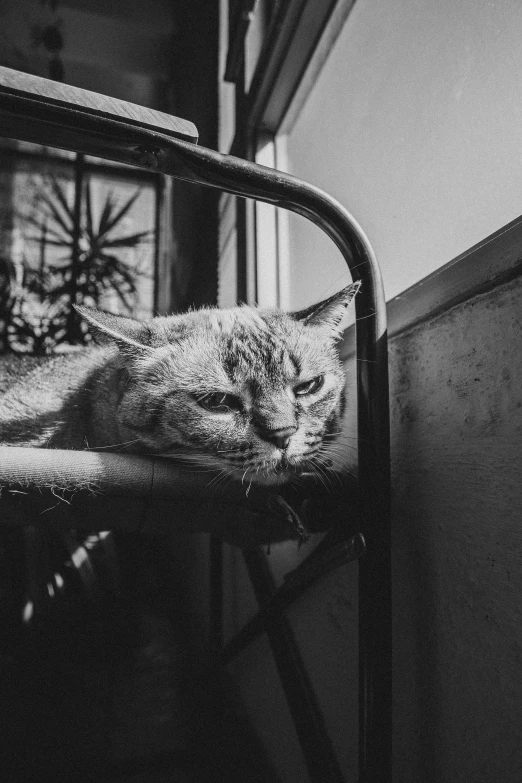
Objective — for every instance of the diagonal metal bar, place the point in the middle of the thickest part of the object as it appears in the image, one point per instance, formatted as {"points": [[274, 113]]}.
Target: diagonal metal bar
{"points": [[295, 584], [316, 745]]}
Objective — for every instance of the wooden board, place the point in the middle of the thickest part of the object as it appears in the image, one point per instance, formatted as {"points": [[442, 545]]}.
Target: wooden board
{"points": [[58, 94]]}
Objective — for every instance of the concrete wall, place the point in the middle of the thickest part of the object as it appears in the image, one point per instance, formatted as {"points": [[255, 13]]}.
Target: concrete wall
{"points": [[456, 402], [456, 388]]}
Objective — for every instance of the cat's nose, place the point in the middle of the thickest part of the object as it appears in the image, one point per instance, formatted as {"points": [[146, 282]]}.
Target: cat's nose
{"points": [[280, 437]]}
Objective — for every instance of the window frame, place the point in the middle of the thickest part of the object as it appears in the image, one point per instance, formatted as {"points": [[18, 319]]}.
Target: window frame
{"points": [[262, 117], [162, 203], [296, 41]]}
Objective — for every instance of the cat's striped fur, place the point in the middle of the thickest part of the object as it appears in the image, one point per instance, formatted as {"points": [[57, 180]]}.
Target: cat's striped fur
{"points": [[250, 392]]}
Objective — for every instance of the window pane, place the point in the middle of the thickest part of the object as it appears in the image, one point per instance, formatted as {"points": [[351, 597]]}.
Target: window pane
{"points": [[139, 219], [415, 126], [40, 276]]}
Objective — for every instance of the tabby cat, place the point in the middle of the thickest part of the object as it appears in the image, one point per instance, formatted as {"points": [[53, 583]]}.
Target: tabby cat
{"points": [[255, 393]]}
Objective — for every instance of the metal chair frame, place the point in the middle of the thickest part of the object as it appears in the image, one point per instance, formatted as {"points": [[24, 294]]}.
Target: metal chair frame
{"points": [[44, 112]]}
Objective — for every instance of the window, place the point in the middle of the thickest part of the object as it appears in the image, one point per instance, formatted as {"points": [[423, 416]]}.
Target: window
{"points": [[407, 113], [72, 231], [414, 125]]}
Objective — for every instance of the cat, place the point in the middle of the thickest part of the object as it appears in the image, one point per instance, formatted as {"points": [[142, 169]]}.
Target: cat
{"points": [[255, 393]]}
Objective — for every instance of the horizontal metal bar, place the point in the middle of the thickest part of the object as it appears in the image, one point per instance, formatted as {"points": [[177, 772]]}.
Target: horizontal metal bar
{"points": [[110, 473], [100, 491], [37, 156]]}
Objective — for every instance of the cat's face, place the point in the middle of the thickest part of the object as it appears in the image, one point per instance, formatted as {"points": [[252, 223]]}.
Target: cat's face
{"points": [[254, 393]]}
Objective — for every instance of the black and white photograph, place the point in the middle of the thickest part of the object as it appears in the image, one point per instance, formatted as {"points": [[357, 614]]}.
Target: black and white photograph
{"points": [[260, 391]]}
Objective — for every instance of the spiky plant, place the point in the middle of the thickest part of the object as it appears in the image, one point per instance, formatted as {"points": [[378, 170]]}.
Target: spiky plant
{"points": [[91, 266]]}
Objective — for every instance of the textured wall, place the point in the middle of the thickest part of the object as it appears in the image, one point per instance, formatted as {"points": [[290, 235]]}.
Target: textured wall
{"points": [[456, 387], [456, 400]]}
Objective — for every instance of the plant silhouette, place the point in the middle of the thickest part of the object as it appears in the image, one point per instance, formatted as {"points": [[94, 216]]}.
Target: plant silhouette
{"points": [[91, 267]]}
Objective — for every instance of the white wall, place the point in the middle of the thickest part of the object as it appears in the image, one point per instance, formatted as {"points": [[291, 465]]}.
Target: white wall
{"points": [[456, 437]]}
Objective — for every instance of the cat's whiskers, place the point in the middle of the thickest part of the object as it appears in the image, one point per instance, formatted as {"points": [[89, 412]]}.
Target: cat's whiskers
{"points": [[315, 472], [339, 435], [207, 461], [342, 470], [335, 471], [340, 462], [201, 461], [339, 448], [341, 443], [337, 444], [323, 472], [337, 451], [249, 468], [339, 438], [334, 460], [112, 445], [362, 317], [212, 484], [344, 436], [189, 466], [223, 478], [220, 478]]}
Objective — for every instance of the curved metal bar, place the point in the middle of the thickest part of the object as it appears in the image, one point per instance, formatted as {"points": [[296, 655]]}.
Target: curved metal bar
{"points": [[24, 118], [234, 175], [248, 179]]}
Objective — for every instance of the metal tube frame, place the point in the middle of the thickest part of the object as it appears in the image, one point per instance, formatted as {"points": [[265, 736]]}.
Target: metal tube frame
{"points": [[45, 122]]}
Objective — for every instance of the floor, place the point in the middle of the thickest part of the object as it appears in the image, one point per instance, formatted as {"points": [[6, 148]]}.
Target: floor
{"points": [[113, 688]]}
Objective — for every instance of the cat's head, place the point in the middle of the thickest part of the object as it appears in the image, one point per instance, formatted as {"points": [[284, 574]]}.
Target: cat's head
{"points": [[256, 393]]}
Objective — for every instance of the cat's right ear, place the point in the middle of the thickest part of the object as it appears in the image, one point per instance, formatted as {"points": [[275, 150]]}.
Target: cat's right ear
{"points": [[131, 336], [329, 313]]}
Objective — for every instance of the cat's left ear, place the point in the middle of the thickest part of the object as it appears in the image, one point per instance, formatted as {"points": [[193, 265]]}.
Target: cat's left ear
{"points": [[329, 313], [131, 336]]}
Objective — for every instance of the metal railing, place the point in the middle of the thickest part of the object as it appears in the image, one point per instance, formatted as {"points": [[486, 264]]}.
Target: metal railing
{"points": [[40, 111]]}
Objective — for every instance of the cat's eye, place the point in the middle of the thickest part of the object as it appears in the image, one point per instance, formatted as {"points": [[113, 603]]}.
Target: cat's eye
{"points": [[219, 402], [309, 387]]}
